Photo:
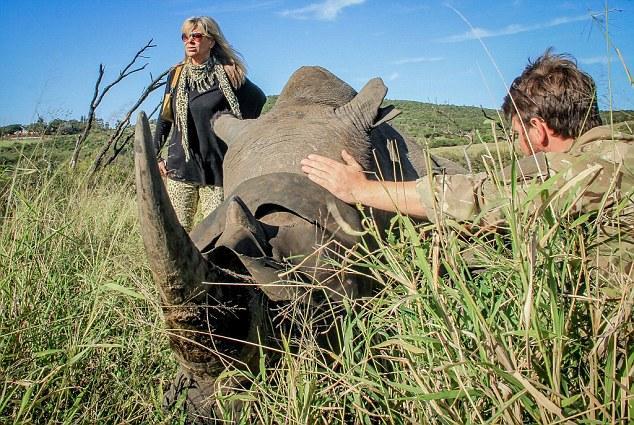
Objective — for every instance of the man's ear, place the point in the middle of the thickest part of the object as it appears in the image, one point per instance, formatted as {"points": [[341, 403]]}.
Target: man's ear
{"points": [[542, 132]]}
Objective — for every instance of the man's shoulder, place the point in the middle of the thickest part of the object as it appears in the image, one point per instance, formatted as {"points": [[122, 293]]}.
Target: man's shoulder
{"points": [[609, 143], [599, 154], [597, 137], [527, 168]]}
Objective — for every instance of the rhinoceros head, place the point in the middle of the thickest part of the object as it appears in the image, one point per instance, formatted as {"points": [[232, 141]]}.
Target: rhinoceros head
{"points": [[217, 282], [313, 85]]}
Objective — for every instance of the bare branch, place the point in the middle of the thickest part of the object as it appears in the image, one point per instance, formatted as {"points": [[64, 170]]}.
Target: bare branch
{"points": [[119, 148], [486, 116], [98, 97], [119, 78], [125, 122], [138, 55], [91, 116]]}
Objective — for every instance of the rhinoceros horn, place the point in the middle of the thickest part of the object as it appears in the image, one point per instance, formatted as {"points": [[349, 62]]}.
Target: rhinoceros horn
{"points": [[178, 267]]}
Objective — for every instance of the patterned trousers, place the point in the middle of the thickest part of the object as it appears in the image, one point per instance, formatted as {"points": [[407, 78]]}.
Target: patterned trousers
{"points": [[185, 198]]}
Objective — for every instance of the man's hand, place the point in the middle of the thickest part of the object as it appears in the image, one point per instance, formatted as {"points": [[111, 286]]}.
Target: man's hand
{"points": [[162, 167], [349, 183], [344, 181]]}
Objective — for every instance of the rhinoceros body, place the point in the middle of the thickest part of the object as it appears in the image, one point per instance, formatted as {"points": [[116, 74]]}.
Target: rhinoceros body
{"points": [[273, 218]]}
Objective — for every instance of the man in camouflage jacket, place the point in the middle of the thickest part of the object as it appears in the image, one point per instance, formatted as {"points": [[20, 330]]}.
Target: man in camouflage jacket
{"points": [[573, 165]]}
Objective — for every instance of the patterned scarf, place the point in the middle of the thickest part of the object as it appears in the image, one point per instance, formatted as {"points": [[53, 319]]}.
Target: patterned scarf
{"points": [[201, 78]]}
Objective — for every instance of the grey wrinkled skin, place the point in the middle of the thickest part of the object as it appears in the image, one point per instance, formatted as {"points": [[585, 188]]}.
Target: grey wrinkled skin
{"points": [[318, 113], [221, 286]]}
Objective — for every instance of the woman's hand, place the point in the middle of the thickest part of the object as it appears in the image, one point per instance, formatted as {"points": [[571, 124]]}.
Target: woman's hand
{"points": [[162, 167], [345, 181]]}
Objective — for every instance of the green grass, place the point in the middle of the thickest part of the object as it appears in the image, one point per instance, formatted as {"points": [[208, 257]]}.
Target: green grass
{"points": [[50, 151], [80, 332], [489, 328]]}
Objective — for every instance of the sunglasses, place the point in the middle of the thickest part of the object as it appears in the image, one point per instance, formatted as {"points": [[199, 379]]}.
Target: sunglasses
{"points": [[197, 36]]}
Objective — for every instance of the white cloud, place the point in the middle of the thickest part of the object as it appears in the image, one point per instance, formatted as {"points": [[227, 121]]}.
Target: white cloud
{"points": [[327, 10], [478, 33], [234, 7], [393, 76], [600, 60], [417, 60]]}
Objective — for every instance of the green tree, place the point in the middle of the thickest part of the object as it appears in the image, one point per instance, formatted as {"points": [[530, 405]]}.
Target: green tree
{"points": [[38, 126], [10, 129]]}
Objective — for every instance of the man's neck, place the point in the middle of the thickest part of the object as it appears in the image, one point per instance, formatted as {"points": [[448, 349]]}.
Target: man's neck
{"points": [[560, 144]]}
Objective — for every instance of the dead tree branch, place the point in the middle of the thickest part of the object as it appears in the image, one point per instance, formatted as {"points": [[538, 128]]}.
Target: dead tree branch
{"points": [[118, 148], [125, 123], [98, 97], [91, 116]]}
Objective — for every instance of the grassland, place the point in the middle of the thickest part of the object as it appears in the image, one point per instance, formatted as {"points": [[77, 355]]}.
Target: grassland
{"points": [[489, 328]]}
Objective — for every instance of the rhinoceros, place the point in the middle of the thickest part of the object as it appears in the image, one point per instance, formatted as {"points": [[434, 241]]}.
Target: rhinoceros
{"points": [[218, 284]]}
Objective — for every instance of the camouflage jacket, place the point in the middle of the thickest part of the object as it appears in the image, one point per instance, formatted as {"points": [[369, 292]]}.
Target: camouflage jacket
{"points": [[595, 175]]}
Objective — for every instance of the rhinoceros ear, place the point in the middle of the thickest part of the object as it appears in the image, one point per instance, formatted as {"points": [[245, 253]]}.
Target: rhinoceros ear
{"points": [[228, 127], [363, 110], [386, 114]]}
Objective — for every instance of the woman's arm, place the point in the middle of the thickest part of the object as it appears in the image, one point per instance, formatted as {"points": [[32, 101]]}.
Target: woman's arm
{"points": [[251, 99], [162, 130]]}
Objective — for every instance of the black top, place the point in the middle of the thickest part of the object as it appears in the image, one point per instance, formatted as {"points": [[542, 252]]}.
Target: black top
{"points": [[205, 149]]}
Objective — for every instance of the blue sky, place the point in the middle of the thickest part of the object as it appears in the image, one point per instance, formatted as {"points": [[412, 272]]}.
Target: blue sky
{"points": [[451, 51]]}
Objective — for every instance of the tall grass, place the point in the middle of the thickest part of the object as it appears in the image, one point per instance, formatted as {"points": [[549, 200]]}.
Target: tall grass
{"points": [[482, 329], [464, 327], [510, 327], [80, 333]]}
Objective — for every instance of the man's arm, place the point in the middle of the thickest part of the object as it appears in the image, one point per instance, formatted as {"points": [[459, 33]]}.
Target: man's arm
{"points": [[349, 183], [461, 196]]}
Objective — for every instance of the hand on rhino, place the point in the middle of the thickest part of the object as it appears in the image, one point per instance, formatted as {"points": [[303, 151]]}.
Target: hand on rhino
{"points": [[341, 179]]}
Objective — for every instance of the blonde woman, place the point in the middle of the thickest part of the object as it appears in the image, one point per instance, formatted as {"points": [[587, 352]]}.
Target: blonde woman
{"points": [[211, 79]]}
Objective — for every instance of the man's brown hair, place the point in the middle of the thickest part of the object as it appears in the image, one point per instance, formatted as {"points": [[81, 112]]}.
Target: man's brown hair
{"points": [[554, 89]]}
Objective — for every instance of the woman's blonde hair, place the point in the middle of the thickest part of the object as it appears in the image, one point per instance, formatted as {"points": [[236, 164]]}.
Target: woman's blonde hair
{"points": [[222, 50]]}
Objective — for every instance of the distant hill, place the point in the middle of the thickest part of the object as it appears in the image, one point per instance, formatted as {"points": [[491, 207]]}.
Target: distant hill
{"points": [[438, 126], [450, 125], [443, 125]]}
